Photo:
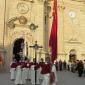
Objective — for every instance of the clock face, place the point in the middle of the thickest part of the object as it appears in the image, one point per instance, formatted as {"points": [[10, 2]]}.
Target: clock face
{"points": [[22, 8], [72, 14]]}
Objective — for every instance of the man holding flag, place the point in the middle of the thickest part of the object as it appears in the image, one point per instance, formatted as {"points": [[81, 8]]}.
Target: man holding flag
{"points": [[50, 77], [53, 35], [53, 44]]}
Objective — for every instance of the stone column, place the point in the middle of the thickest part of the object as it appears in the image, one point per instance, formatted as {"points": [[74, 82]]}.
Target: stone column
{"points": [[46, 27]]}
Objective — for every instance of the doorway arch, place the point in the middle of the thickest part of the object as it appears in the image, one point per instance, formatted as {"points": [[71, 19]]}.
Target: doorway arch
{"points": [[17, 47], [72, 55]]}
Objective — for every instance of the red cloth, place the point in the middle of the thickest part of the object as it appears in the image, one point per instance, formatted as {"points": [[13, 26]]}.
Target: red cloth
{"points": [[53, 35], [14, 65], [19, 63], [46, 68], [30, 64], [36, 65], [41, 64], [52, 77], [23, 64]]}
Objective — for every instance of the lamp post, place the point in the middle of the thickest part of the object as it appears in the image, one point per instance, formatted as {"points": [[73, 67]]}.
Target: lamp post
{"points": [[35, 47]]}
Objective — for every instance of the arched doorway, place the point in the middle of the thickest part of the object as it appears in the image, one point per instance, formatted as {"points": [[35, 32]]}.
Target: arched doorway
{"points": [[72, 55], [18, 48]]}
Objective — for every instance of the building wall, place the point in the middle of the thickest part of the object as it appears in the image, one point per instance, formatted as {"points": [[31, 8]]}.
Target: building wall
{"points": [[71, 28], [1, 20], [34, 13], [71, 32]]}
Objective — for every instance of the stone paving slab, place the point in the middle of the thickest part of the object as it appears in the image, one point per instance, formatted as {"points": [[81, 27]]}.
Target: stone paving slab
{"points": [[64, 78]]}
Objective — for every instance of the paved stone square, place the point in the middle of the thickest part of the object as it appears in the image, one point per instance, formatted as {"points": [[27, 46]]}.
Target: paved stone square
{"points": [[64, 78]]}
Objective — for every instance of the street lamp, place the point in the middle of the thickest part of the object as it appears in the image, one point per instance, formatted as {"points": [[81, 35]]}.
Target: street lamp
{"points": [[35, 47]]}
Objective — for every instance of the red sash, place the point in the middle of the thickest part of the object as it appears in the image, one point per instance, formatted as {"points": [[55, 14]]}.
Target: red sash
{"points": [[52, 77]]}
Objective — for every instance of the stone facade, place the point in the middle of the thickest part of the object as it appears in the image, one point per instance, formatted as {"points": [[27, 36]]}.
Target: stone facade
{"points": [[71, 19]]}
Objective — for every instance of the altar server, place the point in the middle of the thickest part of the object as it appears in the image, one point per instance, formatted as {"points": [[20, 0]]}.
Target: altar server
{"points": [[34, 67], [46, 70], [18, 79], [13, 66]]}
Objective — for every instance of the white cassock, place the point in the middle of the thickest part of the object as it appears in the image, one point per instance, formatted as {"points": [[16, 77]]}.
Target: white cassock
{"points": [[38, 76], [32, 71], [55, 73], [46, 76], [13, 73], [23, 76], [46, 79], [18, 79], [32, 76], [27, 73]]}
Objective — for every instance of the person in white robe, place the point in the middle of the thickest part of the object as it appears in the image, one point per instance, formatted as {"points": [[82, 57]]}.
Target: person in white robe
{"points": [[34, 70], [55, 74], [41, 64], [38, 76], [46, 69], [24, 72], [46, 79], [13, 69], [27, 64], [18, 79], [32, 75], [23, 76]]}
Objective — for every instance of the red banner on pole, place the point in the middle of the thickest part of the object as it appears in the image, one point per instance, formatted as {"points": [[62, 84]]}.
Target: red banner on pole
{"points": [[53, 35]]}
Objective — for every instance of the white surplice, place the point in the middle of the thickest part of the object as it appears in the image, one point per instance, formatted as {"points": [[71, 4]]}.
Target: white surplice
{"points": [[46, 79], [18, 79], [13, 73], [55, 73]]}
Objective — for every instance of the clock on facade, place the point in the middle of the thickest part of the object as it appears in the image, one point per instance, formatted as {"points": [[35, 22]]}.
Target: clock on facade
{"points": [[72, 14], [22, 8]]}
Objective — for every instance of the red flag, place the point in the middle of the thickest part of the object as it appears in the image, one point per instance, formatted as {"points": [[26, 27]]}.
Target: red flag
{"points": [[53, 35]]}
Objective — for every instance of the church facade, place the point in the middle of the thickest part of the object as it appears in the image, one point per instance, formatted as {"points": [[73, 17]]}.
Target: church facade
{"points": [[27, 21]]}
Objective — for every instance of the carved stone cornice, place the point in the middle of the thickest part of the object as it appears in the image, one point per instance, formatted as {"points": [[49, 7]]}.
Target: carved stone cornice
{"points": [[32, 1], [78, 0], [73, 41]]}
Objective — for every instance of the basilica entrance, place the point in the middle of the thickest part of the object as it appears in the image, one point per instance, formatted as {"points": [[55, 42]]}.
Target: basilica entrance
{"points": [[18, 46], [72, 55]]}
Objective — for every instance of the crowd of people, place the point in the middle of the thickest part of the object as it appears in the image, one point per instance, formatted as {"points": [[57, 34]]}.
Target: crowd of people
{"points": [[40, 73], [77, 66]]}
